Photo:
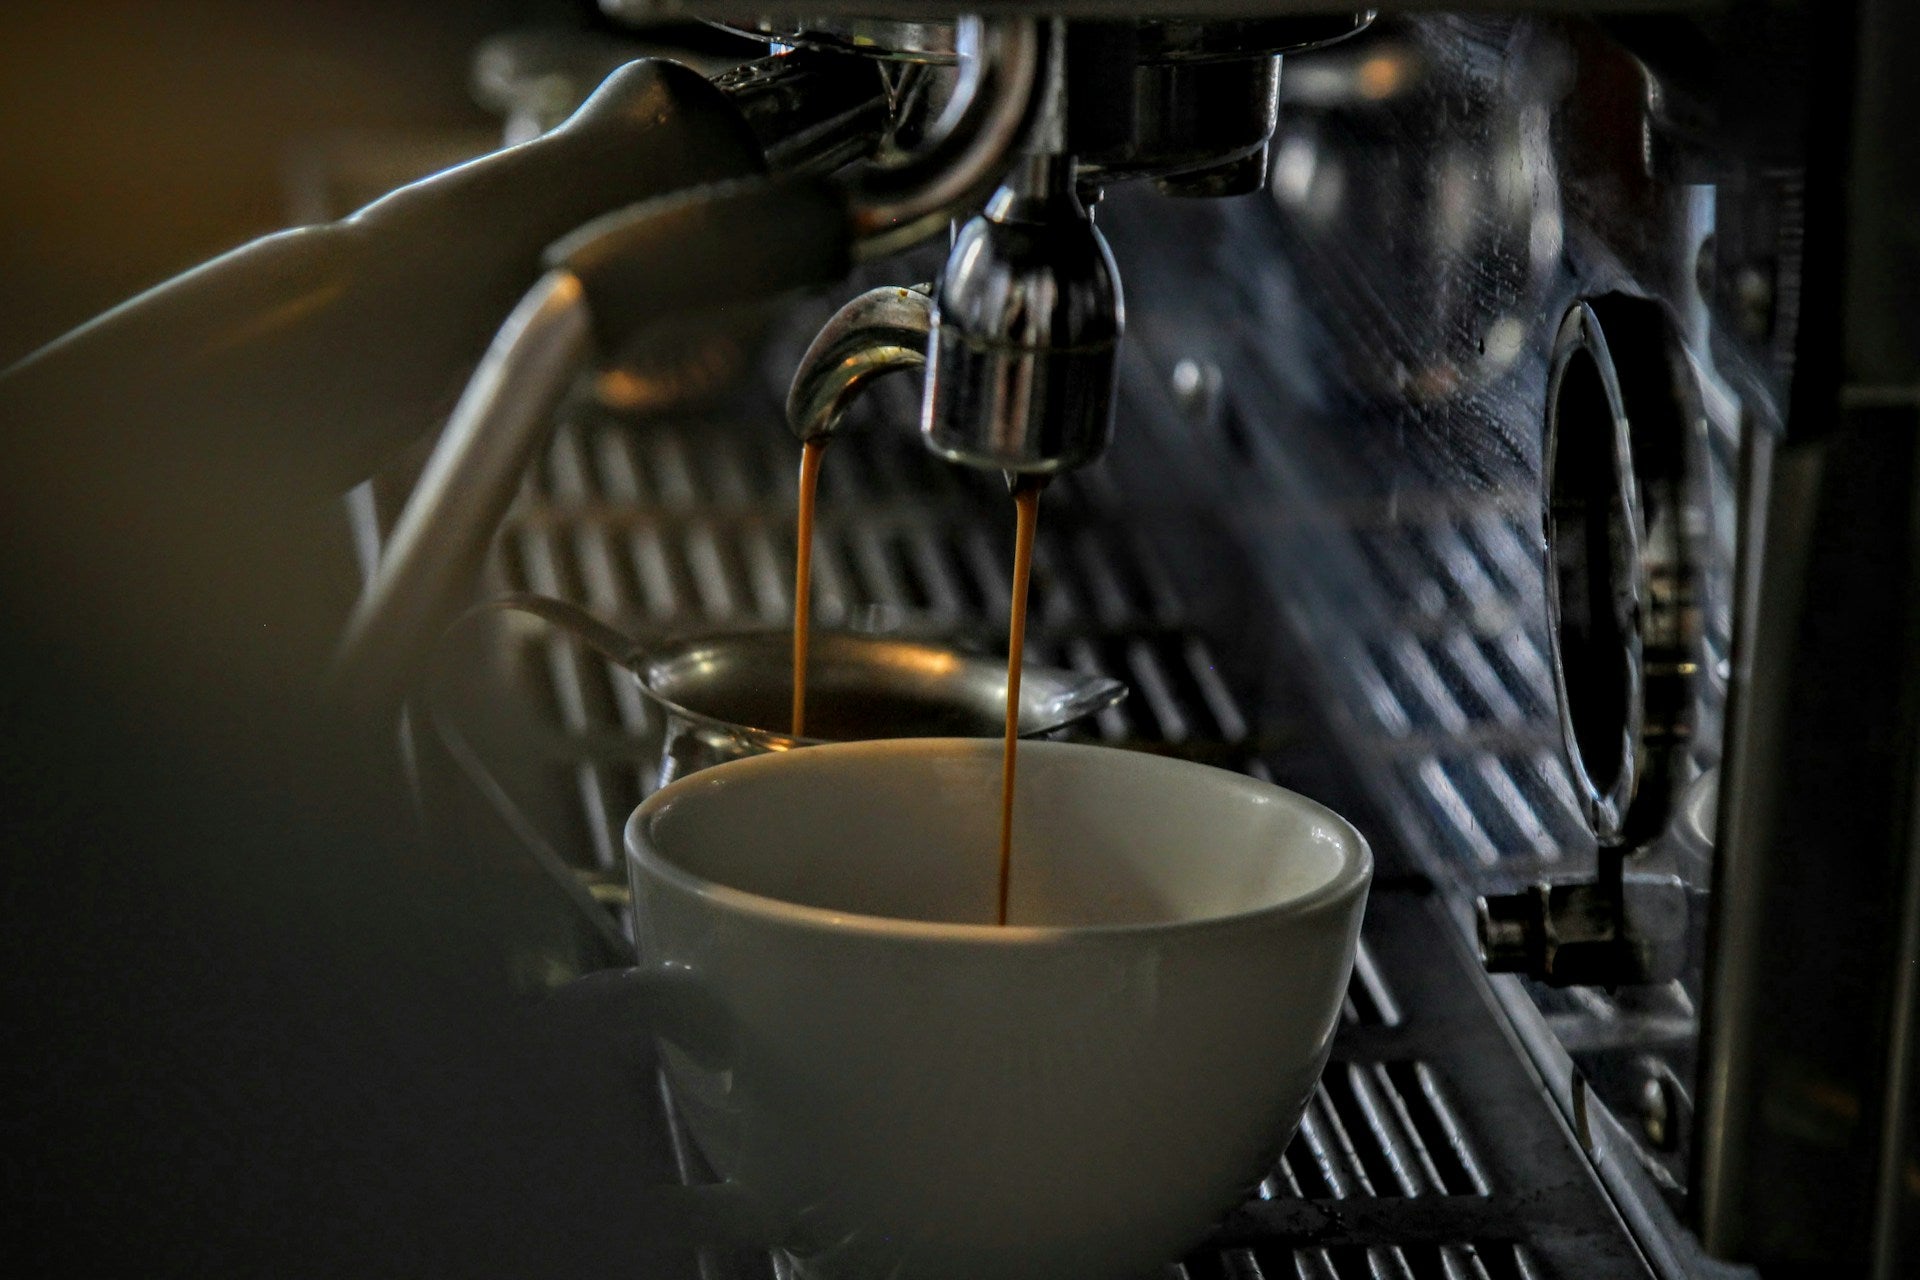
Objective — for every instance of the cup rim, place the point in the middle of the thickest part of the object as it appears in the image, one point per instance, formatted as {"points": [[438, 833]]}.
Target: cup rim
{"points": [[1352, 878]]}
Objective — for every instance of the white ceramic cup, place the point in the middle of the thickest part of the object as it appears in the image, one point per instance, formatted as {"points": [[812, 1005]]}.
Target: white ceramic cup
{"points": [[892, 1085]]}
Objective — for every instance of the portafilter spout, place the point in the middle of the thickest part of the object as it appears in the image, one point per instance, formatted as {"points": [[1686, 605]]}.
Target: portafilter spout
{"points": [[882, 331], [1026, 331], [1027, 318], [1019, 339]]}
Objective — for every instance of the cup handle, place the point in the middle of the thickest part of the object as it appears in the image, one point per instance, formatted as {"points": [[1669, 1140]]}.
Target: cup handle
{"points": [[670, 1002]]}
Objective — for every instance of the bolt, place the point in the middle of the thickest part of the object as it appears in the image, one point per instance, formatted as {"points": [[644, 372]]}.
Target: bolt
{"points": [[1659, 1106], [1196, 388], [1582, 1127]]}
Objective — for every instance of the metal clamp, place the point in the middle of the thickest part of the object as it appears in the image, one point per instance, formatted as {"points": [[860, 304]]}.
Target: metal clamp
{"points": [[1623, 576], [1623, 586]]}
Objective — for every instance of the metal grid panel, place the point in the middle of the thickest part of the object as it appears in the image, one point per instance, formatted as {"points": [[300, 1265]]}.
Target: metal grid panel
{"points": [[1451, 696], [679, 528]]}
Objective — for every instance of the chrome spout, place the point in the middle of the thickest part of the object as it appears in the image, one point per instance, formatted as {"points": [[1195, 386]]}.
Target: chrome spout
{"points": [[1027, 318], [882, 331], [1026, 333]]}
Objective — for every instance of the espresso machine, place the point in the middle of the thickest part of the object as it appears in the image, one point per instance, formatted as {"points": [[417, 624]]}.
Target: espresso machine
{"points": [[1500, 425]]}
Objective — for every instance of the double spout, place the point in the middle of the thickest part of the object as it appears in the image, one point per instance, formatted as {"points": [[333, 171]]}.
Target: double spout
{"points": [[1019, 339]]}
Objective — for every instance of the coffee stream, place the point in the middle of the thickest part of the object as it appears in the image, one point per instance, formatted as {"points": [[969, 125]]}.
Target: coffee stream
{"points": [[810, 454], [1026, 497]]}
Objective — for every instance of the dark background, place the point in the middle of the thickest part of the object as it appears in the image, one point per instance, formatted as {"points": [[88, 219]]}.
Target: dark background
{"points": [[137, 139], [248, 1026]]}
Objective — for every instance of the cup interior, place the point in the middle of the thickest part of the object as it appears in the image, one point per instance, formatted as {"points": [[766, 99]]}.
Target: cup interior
{"points": [[908, 830]]}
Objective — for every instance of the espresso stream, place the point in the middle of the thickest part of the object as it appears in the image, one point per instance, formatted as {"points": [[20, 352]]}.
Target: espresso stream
{"points": [[1026, 498], [810, 455]]}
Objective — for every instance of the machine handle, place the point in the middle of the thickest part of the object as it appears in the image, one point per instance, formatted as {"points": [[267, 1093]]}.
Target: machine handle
{"points": [[727, 245], [314, 352], [731, 244]]}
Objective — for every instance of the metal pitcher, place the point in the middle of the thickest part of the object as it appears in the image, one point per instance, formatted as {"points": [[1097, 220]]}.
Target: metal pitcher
{"points": [[726, 695]]}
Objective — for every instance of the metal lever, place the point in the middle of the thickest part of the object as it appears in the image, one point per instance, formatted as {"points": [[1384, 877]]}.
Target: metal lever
{"points": [[732, 244], [466, 487]]}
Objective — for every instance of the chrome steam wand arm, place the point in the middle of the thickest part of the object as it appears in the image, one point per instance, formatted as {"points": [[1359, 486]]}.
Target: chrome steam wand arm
{"points": [[882, 331]]}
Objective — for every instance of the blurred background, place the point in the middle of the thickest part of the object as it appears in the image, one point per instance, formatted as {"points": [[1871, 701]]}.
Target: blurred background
{"points": [[141, 139]]}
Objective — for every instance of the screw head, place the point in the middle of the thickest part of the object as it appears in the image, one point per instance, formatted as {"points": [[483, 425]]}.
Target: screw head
{"points": [[1657, 1110]]}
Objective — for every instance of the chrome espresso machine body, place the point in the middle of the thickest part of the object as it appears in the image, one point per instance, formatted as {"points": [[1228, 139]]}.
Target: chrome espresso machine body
{"points": [[1503, 426]]}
